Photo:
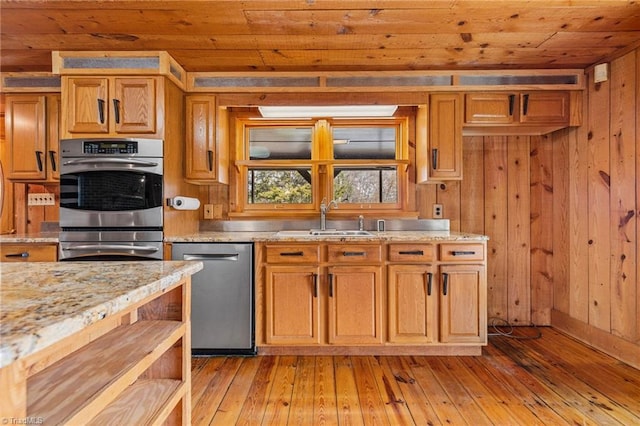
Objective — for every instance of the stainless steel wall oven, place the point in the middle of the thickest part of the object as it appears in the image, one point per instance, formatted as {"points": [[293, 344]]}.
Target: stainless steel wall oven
{"points": [[111, 199]]}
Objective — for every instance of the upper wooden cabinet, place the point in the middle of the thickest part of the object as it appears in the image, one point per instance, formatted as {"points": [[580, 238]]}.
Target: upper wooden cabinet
{"points": [[439, 140], [111, 106], [524, 113], [544, 108], [32, 125], [489, 108], [206, 150]]}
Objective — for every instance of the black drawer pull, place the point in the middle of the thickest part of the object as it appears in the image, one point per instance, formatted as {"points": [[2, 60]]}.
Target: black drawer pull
{"points": [[52, 158], [116, 110], [434, 159], [412, 252], [525, 107], [429, 283], [512, 99], [101, 110], [330, 285], [23, 254], [445, 283], [210, 160], [354, 253], [315, 285], [292, 253], [39, 160], [463, 253]]}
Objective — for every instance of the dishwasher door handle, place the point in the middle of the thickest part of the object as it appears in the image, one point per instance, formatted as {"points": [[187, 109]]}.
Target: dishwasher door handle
{"points": [[212, 256]]}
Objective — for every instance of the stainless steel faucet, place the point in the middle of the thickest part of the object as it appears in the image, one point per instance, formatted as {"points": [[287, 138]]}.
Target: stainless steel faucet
{"points": [[324, 208]]}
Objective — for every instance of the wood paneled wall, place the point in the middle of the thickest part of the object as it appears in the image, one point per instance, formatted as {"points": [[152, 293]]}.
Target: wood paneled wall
{"points": [[563, 215], [597, 296]]}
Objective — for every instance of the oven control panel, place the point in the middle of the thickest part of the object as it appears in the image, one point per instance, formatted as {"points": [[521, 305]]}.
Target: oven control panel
{"points": [[110, 147]]}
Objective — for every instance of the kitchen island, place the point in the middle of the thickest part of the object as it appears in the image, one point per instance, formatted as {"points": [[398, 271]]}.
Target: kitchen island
{"points": [[95, 342]]}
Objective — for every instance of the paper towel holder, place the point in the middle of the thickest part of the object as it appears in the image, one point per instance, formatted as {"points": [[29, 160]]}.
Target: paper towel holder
{"points": [[172, 202]]}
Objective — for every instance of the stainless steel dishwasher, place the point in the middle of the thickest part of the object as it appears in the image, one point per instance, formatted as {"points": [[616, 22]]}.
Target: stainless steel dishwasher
{"points": [[222, 307]]}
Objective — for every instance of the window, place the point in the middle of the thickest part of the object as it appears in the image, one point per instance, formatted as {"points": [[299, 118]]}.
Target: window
{"points": [[292, 165]]}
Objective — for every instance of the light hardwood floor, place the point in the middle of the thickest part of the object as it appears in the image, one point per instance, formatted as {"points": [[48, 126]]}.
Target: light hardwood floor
{"points": [[553, 380]]}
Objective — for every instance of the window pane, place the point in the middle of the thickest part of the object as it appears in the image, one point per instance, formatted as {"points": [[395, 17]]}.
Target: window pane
{"points": [[364, 143], [361, 185], [279, 186], [280, 143]]}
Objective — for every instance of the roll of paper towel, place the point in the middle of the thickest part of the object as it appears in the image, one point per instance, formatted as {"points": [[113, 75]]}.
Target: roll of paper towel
{"points": [[185, 203]]}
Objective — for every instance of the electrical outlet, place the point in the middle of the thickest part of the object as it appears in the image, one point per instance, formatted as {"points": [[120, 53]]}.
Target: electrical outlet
{"points": [[41, 199], [208, 211], [437, 211]]}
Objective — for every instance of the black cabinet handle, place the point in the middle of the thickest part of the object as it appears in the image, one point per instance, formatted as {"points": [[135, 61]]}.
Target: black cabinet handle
{"points": [[101, 110], [434, 158], [445, 283], [116, 110], [330, 285], [52, 158], [429, 283], [512, 101], [39, 160], [412, 252], [292, 253], [210, 160], [315, 285], [23, 254], [525, 106], [354, 253], [463, 253]]}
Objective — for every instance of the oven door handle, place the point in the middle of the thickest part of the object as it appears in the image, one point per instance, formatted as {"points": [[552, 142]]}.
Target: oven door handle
{"points": [[84, 247], [118, 161]]}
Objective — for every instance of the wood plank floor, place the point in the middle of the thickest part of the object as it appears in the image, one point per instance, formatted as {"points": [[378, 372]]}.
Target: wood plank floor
{"points": [[552, 380]]}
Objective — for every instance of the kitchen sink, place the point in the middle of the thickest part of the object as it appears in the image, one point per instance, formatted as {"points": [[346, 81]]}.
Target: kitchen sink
{"points": [[324, 233]]}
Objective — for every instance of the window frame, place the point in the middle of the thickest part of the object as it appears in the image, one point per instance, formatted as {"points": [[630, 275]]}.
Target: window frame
{"points": [[322, 166]]}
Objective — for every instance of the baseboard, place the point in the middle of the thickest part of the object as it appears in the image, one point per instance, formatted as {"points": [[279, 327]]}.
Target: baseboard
{"points": [[615, 346]]}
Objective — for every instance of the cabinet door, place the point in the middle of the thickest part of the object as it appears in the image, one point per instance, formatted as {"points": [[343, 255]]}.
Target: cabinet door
{"points": [[200, 142], [545, 108], [134, 105], [412, 302], [86, 104], [54, 115], [463, 301], [445, 136], [26, 132], [355, 305], [489, 108], [292, 307]]}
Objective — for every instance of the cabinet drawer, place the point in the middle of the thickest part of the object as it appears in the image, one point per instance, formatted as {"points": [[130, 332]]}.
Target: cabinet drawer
{"points": [[28, 252], [411, 253], [461, 252], [354, 253], [293, 253]]}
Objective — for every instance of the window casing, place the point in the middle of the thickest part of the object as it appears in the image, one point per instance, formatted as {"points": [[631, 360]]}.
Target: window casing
{"points": [[292, 165]]}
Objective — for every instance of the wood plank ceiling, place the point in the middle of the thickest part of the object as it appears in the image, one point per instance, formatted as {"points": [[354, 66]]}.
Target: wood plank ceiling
{"points": [[325, 35]]}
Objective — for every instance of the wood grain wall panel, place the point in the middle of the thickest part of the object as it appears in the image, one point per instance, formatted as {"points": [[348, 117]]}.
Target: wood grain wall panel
{"points": [[541, 211], [624, 291], [638, 196], [598, 216], [518, 231], [472, 186], [449, 196], [495, 202], [561, 254], [578, 235]]}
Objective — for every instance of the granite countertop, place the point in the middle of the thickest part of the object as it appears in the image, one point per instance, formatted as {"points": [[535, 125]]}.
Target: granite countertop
{"points": [[42, 303], [263, 236], [204, 237]]}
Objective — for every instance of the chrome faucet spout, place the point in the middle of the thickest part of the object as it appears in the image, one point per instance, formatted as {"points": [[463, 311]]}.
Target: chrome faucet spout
{"points": [[324, 208]]}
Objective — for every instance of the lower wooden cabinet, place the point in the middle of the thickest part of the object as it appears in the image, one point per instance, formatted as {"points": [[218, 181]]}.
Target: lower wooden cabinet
{"points": [[292, 306], [28, 252], [412, 304], [355, 305], [388, 297], [463, 294]]}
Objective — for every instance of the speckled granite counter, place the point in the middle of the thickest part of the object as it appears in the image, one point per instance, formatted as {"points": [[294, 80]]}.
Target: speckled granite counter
{"points": [[218, 237], [42, 303], [41, 237]]}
